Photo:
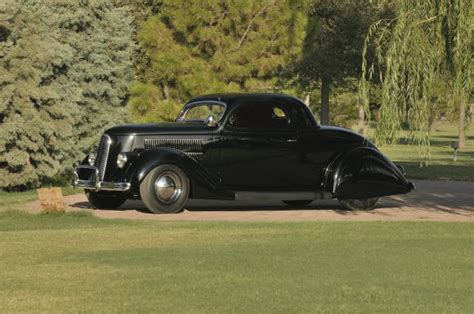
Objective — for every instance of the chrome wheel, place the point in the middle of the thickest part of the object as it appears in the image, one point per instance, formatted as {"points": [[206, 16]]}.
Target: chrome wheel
{"points": [[168, 187], [165, 189], [359, 204]]}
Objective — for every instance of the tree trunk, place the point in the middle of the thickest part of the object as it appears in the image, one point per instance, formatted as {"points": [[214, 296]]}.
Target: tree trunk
{"points": [[361, 124], [166, 92], [325, 90], [306, 100], [462, 117]]}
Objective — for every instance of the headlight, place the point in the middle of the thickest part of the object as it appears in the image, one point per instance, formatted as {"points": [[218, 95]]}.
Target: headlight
{"points": [[121, 160], [91, 158]]}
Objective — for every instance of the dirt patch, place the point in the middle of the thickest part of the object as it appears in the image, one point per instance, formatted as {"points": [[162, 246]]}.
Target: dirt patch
{"points": [[432, 201]]}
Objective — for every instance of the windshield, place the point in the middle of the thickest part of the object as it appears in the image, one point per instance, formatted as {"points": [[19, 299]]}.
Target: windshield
{"points": [[200, 112]]}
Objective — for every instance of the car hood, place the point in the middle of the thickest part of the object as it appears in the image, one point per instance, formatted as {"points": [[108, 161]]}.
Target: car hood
{"points": [[159, 128]]}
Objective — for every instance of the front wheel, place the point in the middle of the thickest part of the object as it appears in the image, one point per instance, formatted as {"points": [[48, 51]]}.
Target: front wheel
{"points": [[165, 189], [105, 200], [359, 204]]}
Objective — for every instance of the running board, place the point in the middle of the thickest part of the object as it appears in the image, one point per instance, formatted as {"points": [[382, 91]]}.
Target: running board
{"points": [[287, 196]]}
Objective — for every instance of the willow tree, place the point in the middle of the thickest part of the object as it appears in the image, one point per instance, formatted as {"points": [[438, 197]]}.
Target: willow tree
{"points": [[426, 39]]}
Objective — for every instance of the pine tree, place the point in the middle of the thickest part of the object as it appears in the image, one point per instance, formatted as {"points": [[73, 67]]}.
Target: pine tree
{"points": [[64, 72], [199, 47]]}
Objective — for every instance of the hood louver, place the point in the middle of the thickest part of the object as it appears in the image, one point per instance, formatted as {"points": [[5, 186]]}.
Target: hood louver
{"points": [[189, 146]]}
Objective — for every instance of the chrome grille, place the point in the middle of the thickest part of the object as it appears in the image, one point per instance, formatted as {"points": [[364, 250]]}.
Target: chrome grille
{"points": [[103, 155], [189, 146]]}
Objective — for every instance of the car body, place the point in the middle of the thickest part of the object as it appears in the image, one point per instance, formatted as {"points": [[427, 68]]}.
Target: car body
{"points": [[233, 147]]}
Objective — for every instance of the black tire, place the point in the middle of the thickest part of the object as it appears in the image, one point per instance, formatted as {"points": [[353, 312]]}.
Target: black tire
{"points": [[159, 189], [359, 204], [298, 203], [105, 200]]}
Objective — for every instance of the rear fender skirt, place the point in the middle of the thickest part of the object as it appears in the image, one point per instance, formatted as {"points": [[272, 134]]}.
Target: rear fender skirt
{"points": [[203, 185], [365, 172]]}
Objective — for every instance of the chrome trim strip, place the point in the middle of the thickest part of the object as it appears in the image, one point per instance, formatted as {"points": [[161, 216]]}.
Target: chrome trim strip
{"points": [[103, 155], [194, 153], [96, 184]]}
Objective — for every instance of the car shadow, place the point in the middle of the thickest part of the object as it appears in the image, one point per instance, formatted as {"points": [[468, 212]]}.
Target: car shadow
{"points": [[198, 205], [446, 197]]}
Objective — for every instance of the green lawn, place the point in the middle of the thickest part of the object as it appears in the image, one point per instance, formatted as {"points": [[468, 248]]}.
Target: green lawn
{"points": [[9, 200], [76, 262], [441, 166]]}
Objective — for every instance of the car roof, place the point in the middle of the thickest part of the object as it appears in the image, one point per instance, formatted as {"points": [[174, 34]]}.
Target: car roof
{"points": [[235, 98]]}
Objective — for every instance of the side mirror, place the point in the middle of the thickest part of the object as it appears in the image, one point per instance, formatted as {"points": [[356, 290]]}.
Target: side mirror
{"points": [[211, 121]]}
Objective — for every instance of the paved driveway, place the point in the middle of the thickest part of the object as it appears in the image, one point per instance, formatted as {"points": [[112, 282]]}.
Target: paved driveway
{"points": [[432, 200]]}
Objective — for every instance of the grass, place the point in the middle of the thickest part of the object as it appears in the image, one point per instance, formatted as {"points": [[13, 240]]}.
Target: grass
{"points": [[75, 262], [9, 200], [441, 165]]}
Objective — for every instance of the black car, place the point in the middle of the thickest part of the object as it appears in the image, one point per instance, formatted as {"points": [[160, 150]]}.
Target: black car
{"points": [[234, 147]]}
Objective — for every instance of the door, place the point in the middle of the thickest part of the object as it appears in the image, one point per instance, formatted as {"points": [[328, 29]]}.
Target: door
{"points": [[260, 150]]}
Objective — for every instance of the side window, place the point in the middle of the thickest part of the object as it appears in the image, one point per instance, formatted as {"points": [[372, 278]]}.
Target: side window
{"points": [[201, 111], [260, 117], [280, 118]]}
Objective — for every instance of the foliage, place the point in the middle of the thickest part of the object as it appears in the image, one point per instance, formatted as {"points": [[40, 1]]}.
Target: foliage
{"points": [[64, 74], [344, 106], [425, 41], [334, 40], [333, 44], [141, 11], [344, 103], [147, 104], [214, 46]]}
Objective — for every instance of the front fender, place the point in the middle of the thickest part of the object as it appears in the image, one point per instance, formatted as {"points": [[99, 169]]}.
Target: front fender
{"points": [[203, 185], [365, 172]]}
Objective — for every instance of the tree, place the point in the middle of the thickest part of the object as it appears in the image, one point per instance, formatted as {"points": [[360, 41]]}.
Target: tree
{"points": [[64, 73], [214, 46], [426, 40], [333, 45], [141, 11]]}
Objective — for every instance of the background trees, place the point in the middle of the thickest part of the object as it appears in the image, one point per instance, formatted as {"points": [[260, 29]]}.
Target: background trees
{"points": [[332, 54], [333, 46], [427, 42], [66, 68], [198, 47], [64, 75]]}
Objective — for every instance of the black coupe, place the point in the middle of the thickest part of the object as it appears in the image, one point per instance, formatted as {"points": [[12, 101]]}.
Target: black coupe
{"points": [[233, 147]]}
